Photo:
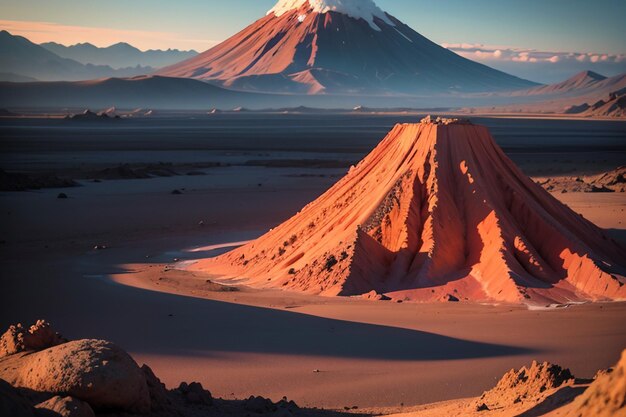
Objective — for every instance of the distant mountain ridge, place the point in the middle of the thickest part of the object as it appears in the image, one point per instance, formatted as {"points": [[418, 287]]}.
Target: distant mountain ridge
{"points": [[586, 94], [23, 59], [119, 55], [585, 80]]}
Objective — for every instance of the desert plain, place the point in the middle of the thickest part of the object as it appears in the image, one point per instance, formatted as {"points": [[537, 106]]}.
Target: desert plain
{"points": [[153, 194]]}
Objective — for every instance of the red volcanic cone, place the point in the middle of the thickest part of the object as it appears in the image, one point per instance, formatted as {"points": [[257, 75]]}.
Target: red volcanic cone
{"points": [[435, 210]]}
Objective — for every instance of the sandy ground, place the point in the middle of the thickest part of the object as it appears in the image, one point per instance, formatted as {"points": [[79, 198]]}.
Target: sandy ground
{"points": [[238, 343]]}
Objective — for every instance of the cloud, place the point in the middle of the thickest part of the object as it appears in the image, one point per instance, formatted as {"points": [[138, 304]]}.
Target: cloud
{"points": [[500, 53], [39, 32]]}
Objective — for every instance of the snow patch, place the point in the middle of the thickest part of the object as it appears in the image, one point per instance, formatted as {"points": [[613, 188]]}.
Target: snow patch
{"points": [[357, 9]]}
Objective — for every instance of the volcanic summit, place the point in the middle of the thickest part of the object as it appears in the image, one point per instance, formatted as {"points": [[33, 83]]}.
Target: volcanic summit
{"points": [[436, 211], [338, 46]]}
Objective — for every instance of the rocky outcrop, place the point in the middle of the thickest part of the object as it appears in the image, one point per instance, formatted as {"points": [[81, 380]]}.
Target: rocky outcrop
{"points": [[613, 106], [524, 385], [37, 337], [42, 375], [605, 397]]}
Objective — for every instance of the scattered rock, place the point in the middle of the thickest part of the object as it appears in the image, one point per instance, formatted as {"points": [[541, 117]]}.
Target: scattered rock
{"points": [[177, 192], [22, 182], [62, 196], [444, 121], [482, 407], [194, 393], [259, 405], [450, 298], [373, 295], [66, 407]]}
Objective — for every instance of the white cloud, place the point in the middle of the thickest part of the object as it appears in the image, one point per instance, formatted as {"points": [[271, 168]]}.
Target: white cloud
{"points": [[513, 54]]}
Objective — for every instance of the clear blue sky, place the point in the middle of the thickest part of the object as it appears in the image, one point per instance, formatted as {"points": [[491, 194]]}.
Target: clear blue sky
{"points": [[544, 25], [573, 25]]}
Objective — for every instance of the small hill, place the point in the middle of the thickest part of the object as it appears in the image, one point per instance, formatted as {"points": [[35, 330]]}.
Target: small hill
{"points": [[136, 92], [580, 81]]}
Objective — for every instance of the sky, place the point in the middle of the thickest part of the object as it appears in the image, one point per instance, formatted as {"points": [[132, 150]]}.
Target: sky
{"points": [[543, 40]]}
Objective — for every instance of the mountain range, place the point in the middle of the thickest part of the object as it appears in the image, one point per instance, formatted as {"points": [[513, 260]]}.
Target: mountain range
{"points": [[186, 93], [120, 55], [23, 60], [313, 53], [329, 47]]}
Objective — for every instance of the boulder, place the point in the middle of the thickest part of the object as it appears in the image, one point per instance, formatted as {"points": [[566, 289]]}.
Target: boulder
{"points": [[94, 371]]}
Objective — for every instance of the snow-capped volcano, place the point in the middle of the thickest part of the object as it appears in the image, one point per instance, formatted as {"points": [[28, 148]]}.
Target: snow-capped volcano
{"points": [[362, 9], [338, 46]]}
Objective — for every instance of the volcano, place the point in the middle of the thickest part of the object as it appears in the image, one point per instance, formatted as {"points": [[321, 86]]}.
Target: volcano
{"points": [[435, 212], [333, 46]]}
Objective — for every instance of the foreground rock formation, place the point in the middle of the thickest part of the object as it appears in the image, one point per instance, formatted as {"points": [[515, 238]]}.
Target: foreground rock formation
{"points": [[44, 375], [544, 390], [88, 378], [606, 397], [526, 385], [435, 212]]}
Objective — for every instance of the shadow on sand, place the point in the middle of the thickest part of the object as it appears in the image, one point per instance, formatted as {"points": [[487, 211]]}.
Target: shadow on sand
{"points": [[181, 325]]}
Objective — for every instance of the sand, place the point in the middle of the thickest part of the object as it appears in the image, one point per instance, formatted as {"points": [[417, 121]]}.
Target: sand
{"points": [[370, 354]]}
